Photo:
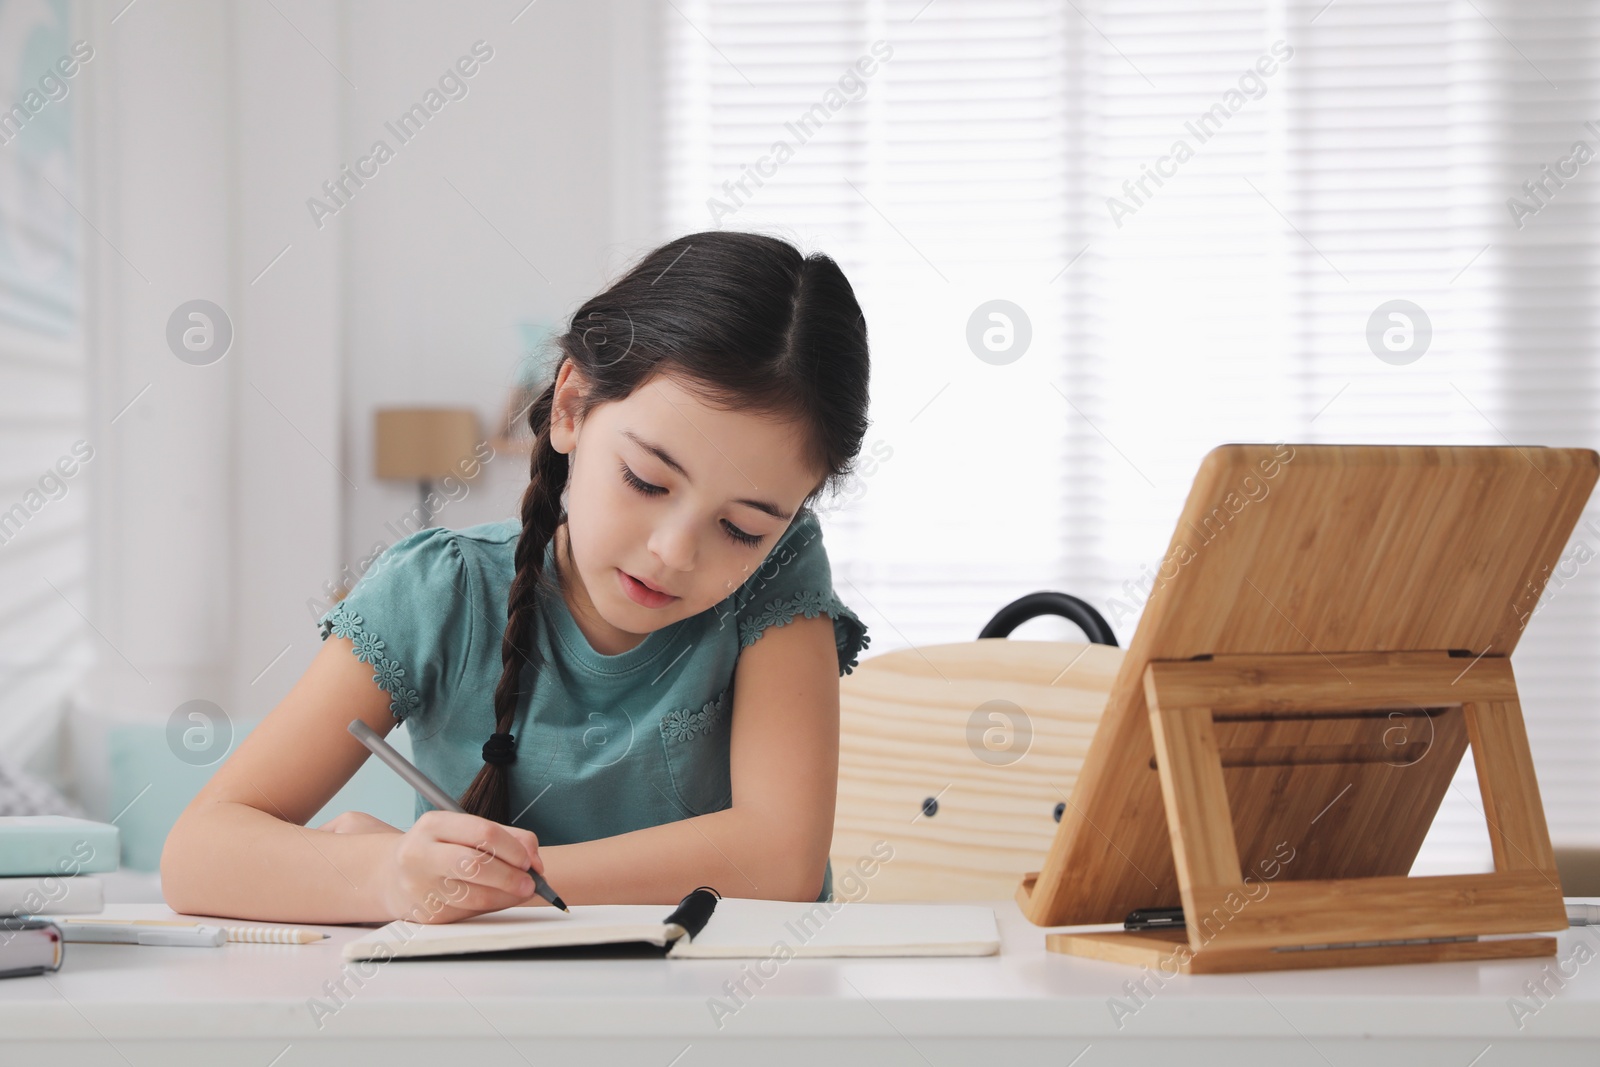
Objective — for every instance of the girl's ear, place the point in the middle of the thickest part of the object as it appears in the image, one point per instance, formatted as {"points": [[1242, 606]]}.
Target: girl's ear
{"points": [[564, 406]]}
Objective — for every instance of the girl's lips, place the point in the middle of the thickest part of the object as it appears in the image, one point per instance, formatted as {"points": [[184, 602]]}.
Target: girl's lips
{"points": [[642, 594]]}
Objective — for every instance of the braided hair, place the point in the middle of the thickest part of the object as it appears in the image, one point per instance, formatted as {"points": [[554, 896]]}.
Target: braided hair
{"points": [[752, 325]]}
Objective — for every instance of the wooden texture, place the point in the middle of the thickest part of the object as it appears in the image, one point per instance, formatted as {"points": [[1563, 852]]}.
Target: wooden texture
{"points": [[1166, 953], [1228, 918], [1366, 909], [1517, 831], [1337, 904], [1317, 550], [1196, 800], [1348, 782], [1320, 682], [907, 733]]}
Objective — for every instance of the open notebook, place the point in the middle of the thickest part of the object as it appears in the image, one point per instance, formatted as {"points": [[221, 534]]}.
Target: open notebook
{"points": [[702, 927]]}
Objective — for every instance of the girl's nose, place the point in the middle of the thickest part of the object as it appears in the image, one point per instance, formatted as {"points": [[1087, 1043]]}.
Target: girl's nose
{"points": [[674, 543]]}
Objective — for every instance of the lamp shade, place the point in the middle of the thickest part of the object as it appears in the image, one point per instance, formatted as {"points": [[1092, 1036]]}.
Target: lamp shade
{"points": [[422, 444]]}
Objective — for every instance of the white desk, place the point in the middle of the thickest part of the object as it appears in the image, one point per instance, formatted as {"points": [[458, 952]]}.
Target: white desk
{"points": [[250, 1004]]}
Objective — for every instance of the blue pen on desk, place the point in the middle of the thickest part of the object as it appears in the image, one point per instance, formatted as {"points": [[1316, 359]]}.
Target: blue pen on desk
{"points": [[436, 796]]}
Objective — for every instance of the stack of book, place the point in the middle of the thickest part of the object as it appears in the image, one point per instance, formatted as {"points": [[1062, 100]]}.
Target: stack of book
{"points": [[47, 863]]}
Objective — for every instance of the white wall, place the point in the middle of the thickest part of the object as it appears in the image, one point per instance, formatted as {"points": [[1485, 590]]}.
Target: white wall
{"points": [[203, 123], [228, 494], [515, 202]]}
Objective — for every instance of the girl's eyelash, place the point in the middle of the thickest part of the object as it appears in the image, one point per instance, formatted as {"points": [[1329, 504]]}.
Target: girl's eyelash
{"points": [[735, 534], [748, 540], [639, 483]]}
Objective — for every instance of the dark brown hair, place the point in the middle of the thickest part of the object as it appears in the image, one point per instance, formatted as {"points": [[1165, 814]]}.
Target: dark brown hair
{"points": [[746, 322]]}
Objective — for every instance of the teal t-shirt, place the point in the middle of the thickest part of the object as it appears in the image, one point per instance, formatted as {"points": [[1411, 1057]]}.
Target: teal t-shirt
{"points": [[605, 744]]}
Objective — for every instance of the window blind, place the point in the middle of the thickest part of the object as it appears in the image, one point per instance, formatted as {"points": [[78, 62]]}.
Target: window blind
{"points": [[1334, 159], [44, 638], [937, 186]]}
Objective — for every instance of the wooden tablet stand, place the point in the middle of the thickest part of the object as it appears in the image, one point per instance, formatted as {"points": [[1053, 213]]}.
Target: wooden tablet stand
{"points": [[1339, 757]]}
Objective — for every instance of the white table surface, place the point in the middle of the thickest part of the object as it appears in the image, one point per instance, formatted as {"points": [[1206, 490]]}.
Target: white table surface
{"points": [[252, 1004]]}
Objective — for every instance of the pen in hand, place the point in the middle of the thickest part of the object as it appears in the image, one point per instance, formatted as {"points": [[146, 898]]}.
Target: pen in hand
{"points": [[436, 796]]}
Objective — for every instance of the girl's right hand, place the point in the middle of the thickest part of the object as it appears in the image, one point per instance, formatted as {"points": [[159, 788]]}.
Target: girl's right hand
{"points": [[452, 866]]}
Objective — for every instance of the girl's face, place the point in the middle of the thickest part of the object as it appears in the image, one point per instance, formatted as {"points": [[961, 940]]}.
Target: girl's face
{"points": [[672, 504]]}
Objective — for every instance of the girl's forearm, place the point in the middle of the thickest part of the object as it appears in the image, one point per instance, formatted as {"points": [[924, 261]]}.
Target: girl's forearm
{"points": [[235, 861], [730, 850]]}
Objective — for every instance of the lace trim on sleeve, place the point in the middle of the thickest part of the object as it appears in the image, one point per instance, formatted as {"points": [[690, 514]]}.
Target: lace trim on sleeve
{"points": [[811, 604], [685, 724], [390, 676]]}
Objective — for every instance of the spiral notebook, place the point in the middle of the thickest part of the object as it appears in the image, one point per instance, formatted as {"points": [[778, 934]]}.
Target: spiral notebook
{"points": [[703, 926]]}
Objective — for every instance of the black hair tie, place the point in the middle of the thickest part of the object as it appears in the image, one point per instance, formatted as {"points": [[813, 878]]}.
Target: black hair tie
{"points": [[500, 749]]}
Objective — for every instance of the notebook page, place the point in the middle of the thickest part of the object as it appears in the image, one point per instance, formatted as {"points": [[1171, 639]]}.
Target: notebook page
{"points": [[512, 928], [751, 928]]}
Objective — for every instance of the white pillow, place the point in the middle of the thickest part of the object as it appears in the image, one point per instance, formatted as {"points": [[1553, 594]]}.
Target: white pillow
{"points": [[23, 794]]}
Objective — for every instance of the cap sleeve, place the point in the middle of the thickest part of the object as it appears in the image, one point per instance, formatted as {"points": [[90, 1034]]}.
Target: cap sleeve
{"points": [[410, 616], [796, 579]]}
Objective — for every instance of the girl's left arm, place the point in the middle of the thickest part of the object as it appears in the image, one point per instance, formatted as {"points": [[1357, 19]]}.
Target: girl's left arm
{"points": [[773, 841]]}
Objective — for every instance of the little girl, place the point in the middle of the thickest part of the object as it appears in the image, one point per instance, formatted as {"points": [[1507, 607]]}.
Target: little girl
{"points": [[634, 687]]}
